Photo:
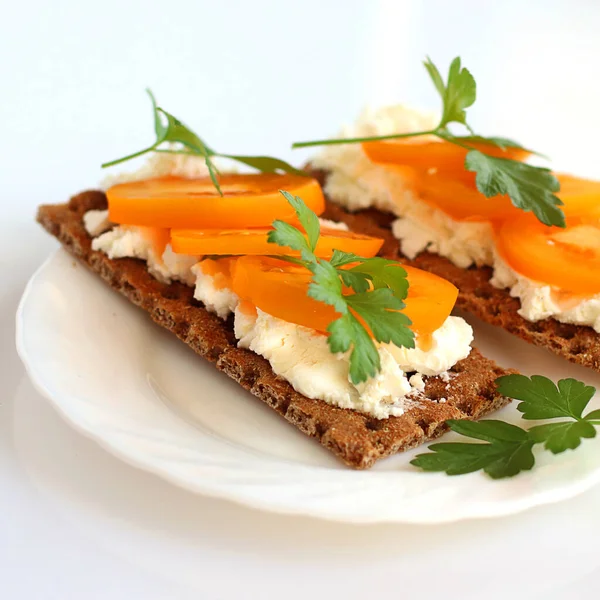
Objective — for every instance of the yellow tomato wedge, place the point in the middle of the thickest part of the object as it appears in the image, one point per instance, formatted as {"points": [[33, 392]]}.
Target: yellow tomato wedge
{"points": [[249, 200], [568, 259], [280, 289], [254, 241], [425, 154]]}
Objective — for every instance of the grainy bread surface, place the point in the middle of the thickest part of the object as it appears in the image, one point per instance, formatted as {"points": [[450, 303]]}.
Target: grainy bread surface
{"points": [[357, 439], [577, 343]]}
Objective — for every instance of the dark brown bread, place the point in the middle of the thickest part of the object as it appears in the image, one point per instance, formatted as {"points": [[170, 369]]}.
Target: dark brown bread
{"points": [[357, 439], [577, 343]]}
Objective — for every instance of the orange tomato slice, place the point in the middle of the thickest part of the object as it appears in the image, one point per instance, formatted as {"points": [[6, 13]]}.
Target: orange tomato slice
{"points": [[461, 201], [568, 258], [249, 200], [581, 196], [254, 241], [425, 154], [280, 289], [429, 302]]}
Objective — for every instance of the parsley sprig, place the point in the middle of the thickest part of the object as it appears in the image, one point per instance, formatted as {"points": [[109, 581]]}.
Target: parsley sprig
{"points": [[530, 188], [508, 450], [170, 130], [379, 285]]}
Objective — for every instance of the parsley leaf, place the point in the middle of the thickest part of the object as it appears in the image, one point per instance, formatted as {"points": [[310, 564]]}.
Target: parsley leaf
{"points": [[558, 437], [542, 399], [380, 309], [384, 273], [308, 219], [489, 430], [509, 448], [436, 76], [359, 282], [374, 309], [175, 132], [593, 416], [340, 258], [458, 93], [381, 272], [326, 286], [508, 452], [287, 235], [347, 333], [529, 188]]}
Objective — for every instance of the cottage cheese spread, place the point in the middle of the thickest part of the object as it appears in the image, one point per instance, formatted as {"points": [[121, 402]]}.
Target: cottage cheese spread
{"points": [[302, 357], [96, 222], [221, 301], [540, 301], [356, 183], [426, 228], [449, 344], [126, 241]]}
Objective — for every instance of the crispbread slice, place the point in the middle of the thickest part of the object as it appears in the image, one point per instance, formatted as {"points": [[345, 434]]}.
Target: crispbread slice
{"points": [[577, 343], [357, 439]]}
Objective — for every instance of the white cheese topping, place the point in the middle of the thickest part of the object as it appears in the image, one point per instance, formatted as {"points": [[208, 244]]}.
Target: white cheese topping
{"points": [[221, 301], [425, 228], [416, 381], [357, 183], [125, 241], [540, 301], [96, 222], [302, 357], [176, 267], [449, 344]]}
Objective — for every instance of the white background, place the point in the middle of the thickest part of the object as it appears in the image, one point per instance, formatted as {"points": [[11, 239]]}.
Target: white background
{"points": [[252, 77]]}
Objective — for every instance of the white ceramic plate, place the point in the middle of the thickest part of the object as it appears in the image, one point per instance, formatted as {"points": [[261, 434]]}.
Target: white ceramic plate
{"points": [[148, 399]]}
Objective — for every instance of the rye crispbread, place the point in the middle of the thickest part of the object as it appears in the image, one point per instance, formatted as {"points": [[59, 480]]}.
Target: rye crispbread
{"points": [[357, 439], [577, 343]]}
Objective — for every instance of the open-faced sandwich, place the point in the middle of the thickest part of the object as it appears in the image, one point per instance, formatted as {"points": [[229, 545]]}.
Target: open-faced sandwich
{"points": [[521, 243], [357, 351]]}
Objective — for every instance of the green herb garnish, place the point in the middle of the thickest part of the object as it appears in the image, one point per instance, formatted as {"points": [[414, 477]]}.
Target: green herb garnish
{"points": [[170, 129], [529, 188], [379, 285], [508, 450]]}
